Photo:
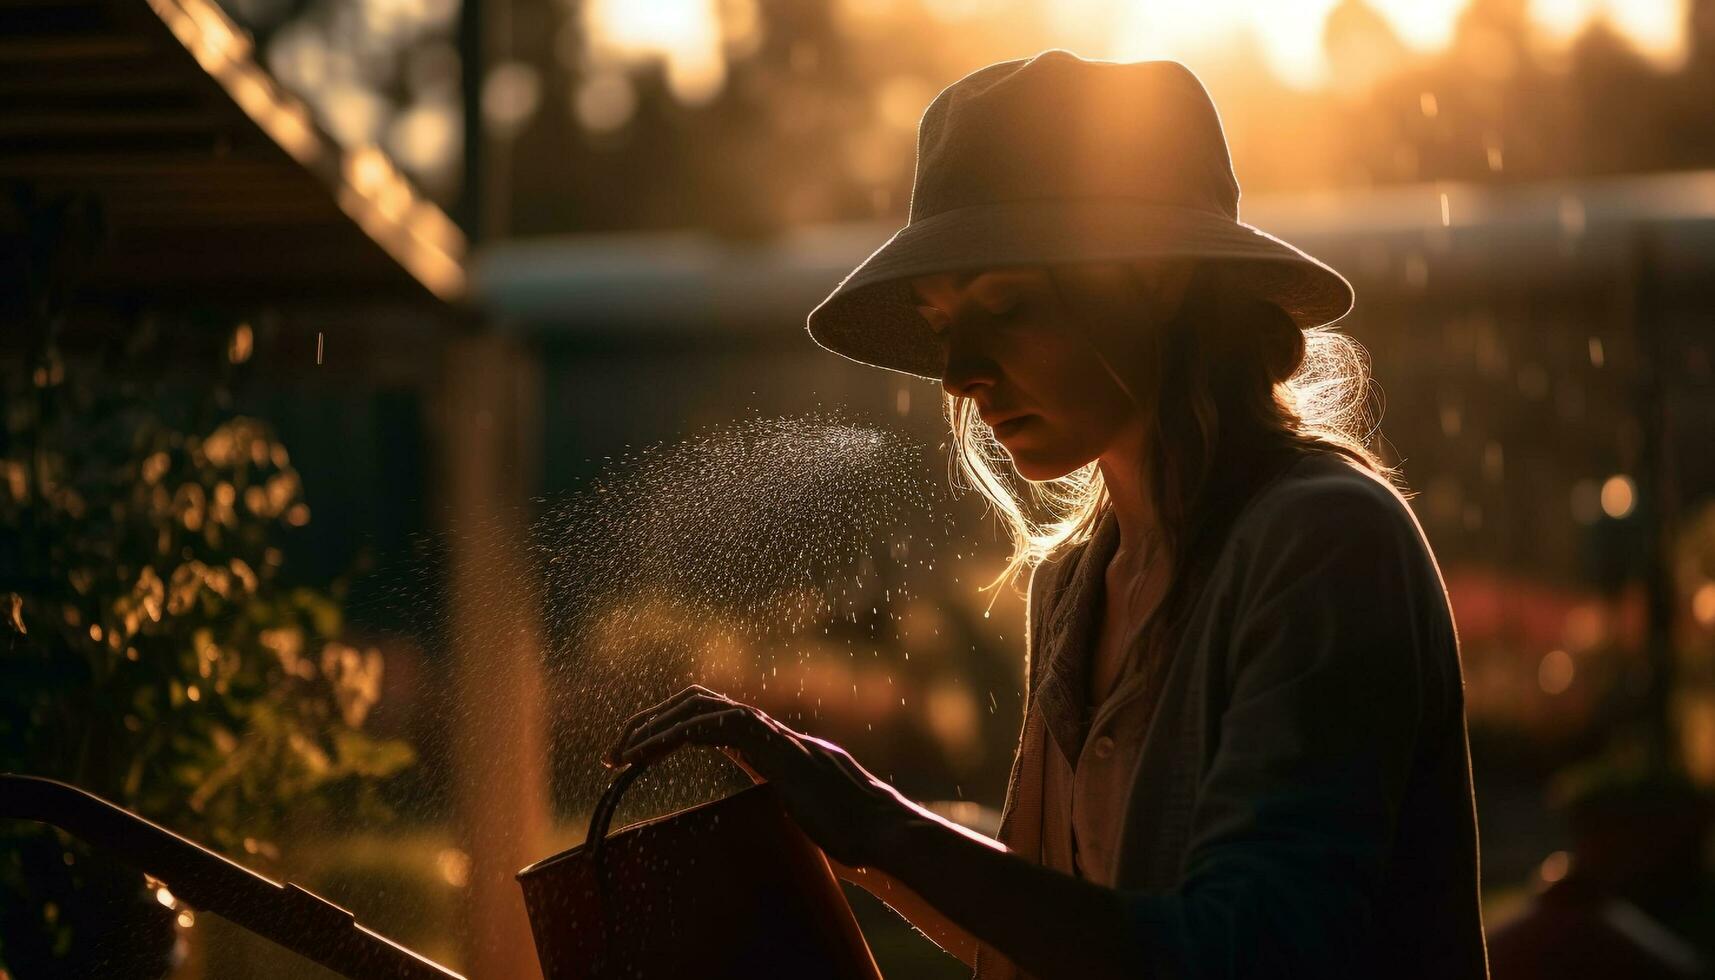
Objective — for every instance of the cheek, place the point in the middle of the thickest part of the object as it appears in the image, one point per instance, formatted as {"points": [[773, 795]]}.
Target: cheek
{"points": [[1070, 387]]}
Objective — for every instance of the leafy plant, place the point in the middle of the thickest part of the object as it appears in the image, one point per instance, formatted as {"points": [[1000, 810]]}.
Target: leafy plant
{"points": [[152, 655]]}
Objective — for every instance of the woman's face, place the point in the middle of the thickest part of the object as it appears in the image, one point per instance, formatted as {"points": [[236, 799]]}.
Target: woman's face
{"points": [[1027, 363]]}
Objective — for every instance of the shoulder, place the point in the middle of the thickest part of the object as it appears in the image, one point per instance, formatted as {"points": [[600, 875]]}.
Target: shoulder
{"points": [[1332, 546], [1329, 526], [1326, 500], [1331, 581]]}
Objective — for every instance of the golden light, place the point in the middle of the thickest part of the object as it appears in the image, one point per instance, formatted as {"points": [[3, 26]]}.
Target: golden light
{"points": [[657, 27], [1555, 673], [952, 716], [1619, 495], [899, 100], [687, 35], [1289, 32], [1654, 26], [243, 342], [383, 203], [1426, 25], [224, 51], [1703, 604], [510, 96], [604, 101], [1585, 627], [968, 813], [454, 866], [1696, 715], [367, 169], [394, 200], [1555, 866], [425, 135]]}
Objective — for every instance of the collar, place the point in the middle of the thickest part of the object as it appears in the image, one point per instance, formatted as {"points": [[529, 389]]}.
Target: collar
{"points": [[1069, 636]]}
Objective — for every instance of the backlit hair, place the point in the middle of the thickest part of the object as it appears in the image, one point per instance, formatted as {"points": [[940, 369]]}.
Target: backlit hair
{"points": [[1232, 383]]}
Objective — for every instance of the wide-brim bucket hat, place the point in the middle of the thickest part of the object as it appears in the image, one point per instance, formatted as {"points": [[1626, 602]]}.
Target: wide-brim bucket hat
{"points": [[1058, 159]]}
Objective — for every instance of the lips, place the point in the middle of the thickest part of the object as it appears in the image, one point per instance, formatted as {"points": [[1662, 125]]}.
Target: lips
{"points": [[1010, 425]]}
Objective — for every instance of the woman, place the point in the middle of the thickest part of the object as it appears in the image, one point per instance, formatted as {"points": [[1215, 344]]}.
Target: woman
{"points": [[1244, 749]]}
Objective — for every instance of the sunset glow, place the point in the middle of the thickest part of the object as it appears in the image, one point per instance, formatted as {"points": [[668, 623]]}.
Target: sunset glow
{"points": [[686, 34]]}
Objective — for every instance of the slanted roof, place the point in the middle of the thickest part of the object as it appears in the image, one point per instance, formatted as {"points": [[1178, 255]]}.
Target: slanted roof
{"points": [[215, 182]]}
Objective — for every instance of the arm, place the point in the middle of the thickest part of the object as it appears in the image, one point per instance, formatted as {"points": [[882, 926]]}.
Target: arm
{"points": [[940, 929], [908, 903], [1050, 924], [1295, 815], [866, 827], [1294, 821], [956, 874]]}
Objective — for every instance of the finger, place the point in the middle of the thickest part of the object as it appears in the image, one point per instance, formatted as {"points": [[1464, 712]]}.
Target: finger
{"points": [[630, 724], [646, 727], [689, 691], [736, 728], [686, 710], [628, 730], [717, 728]]}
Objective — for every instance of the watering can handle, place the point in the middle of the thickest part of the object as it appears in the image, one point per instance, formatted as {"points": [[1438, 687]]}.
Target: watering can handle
{"points": [[609, 802], [602, 817], [596, 840]]}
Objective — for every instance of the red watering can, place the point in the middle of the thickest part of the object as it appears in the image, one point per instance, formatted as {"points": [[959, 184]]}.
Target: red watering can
{"points": [[726, 889]]}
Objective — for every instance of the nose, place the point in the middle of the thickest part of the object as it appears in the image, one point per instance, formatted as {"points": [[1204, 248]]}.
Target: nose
{"points": [[968, 368]]}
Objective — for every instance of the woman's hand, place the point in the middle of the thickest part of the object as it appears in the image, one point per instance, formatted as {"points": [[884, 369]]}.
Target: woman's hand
{"points": [[973, 889], [848, 812]]}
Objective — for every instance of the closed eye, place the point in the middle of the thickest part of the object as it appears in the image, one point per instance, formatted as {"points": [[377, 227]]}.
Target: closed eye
{"points": [[936, 318]]}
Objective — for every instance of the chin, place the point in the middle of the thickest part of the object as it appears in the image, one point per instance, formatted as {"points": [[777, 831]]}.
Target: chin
{"points": [[1039, 470]]}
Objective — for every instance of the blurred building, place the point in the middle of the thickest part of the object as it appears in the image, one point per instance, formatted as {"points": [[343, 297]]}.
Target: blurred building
{"points": [[1541, 349]]}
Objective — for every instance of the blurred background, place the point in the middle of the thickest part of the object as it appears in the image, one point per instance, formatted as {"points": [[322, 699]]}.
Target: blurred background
{"points": [[318, 310]]}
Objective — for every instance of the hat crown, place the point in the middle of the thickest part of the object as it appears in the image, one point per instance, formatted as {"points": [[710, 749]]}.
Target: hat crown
{"points": [[1057, 126], [1056, 160]]}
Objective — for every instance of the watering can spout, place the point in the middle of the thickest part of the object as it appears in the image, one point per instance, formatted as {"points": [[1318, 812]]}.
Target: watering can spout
{"points": [[293, 917]]}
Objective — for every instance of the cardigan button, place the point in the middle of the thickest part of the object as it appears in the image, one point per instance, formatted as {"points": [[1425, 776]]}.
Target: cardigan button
{"points": [[1104, 746]]}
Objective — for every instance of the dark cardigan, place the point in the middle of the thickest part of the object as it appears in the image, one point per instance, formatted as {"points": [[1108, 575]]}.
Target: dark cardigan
{"points": [[1301, 804]]}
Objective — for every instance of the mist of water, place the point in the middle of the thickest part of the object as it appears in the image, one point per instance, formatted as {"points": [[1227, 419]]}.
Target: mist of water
{"points": [[716, 559]]}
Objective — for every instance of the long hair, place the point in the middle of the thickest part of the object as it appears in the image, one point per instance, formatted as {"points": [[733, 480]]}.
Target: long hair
{"points": [[1235, 391]]}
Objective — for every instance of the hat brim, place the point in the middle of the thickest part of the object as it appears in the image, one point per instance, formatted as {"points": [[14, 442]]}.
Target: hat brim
{"points": [[871, 316]]}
